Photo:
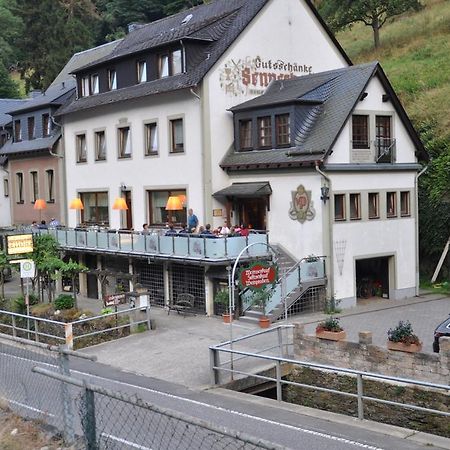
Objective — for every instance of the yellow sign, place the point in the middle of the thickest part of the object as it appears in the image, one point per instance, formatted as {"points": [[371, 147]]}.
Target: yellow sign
{"points": [[217, 213], [19, 244]]}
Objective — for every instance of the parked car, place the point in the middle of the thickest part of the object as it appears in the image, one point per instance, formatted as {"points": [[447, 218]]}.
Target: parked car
{"points": [[441, 330]]}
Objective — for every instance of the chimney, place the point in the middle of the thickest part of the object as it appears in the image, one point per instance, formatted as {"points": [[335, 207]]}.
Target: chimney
{"points": [[134, 26]]}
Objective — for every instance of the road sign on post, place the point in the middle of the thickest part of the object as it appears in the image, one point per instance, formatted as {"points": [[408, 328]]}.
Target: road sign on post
{"points": [[258, 275], [27, 268]]}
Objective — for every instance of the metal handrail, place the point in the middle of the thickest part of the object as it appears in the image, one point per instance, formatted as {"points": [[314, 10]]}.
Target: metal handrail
{"points": [[216, 368]]}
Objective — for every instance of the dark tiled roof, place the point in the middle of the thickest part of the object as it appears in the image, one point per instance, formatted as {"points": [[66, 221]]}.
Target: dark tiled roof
{"points": [[325, 100], [7, 105], [81, 59], [220, 22], [324, 103], [251, 189], [30, 146]]}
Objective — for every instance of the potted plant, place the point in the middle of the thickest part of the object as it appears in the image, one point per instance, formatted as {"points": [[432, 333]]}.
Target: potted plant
{"points": [[222, 298], [402, 338], [330, 329], [260, 298]]}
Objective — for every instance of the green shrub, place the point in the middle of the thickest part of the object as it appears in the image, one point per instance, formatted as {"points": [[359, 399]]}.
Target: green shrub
{"points": [[107, 310], [329, 324], [64, 301], [18, 304]]}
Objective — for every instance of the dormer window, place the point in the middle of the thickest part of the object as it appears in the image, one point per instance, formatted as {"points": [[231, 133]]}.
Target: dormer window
{"points": [[264, 132], [245, 134], [85, 86], [17, 131], [112, 79], [95, 89], [141, 67], [171, 63], [282, 130]]}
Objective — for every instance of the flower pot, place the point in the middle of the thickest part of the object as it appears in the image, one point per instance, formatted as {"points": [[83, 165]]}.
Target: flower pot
{"points": [[264, 322], [331, 335], [402, 347], [226, 318]]}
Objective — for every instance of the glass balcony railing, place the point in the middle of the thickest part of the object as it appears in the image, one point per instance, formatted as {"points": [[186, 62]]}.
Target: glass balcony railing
{"points": [[157, 244]]}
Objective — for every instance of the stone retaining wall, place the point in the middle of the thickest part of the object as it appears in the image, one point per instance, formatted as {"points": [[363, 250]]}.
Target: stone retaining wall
{"points": [[365, 356]]}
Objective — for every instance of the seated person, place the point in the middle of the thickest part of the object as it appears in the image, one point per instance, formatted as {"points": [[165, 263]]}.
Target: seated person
{"points": [[244, 230], [184, 231], [206, 233], [171, 231], [225, 231]]}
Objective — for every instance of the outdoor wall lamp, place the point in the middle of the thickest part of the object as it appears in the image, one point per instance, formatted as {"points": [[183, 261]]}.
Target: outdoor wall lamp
{"points": [[325, 191]]}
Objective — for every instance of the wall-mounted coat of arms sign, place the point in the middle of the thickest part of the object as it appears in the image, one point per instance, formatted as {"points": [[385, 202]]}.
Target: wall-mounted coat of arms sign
{"points": [[301, 205]]}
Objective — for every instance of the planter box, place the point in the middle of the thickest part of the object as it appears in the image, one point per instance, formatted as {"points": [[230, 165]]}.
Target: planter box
{"points": [[226, 318], [264, 322], [401, 347], [331, 335]]}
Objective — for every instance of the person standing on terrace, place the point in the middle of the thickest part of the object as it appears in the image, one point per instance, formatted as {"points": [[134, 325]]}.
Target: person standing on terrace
{"points": [[192, 221]]}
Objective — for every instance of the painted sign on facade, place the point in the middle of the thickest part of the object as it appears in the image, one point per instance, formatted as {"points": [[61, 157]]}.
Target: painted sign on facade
{"points": [[258, 275], [252, 75], [19, 244], [301, 205]]}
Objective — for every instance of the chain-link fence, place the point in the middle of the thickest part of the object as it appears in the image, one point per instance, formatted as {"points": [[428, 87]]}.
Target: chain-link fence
{"points": [[36, 383]]}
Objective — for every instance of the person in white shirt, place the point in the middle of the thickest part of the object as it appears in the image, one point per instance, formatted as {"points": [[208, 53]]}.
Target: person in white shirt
{"points": [[225, 231]]}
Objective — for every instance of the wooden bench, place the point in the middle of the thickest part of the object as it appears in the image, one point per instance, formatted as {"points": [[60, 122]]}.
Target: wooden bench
{"points": [[184, 305]]}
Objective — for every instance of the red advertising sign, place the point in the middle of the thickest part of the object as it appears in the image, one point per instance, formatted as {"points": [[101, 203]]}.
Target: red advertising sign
{"points": [[258, 275]]}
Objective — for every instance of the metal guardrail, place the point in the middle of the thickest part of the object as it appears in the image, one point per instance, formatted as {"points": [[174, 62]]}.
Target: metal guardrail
{"points": [[34, 331], [156, 243], [216, 367]]}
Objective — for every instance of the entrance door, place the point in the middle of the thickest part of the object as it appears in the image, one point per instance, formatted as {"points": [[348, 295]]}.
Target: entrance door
{"points": [[252, 212], [129, 214]]}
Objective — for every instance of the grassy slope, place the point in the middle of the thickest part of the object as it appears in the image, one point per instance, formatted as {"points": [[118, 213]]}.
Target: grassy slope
{"points": [[415, 53]]}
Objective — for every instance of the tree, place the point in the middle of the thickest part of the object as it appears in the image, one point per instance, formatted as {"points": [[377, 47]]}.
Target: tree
{"points": [[55, 30], [4, 264], [71, 270], [11, 26], [340, 14], [174, 6], [8, 87]]}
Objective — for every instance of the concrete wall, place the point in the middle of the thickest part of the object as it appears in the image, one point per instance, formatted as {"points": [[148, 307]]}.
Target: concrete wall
{"points": [[365, 356]]}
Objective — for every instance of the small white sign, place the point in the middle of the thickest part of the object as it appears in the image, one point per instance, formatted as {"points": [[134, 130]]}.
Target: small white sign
{"points": [[27, 268]]}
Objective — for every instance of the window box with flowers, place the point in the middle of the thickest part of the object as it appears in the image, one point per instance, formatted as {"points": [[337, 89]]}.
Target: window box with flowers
{"points": [[402, 338], [330, 329]]}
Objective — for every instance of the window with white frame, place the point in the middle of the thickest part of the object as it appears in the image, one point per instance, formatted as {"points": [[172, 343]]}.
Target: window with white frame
{"points": [[245, 134], [95, 88], [46, 125], [100, 145], [360, 131], [141, 67], [151, 138], [158, 215], [405, 205], [34, 185], [355, 206], [81, 148], [264, 132], [85, 86], [19, 187], [176, 136], [124, 142], [171, 63], [112, 79], [374, 205], [339, 207], [6, 187], [391, 204], [50, 174]]}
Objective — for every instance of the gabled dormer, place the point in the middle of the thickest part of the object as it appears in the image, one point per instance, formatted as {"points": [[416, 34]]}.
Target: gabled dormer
{"points": [[298, 122]]}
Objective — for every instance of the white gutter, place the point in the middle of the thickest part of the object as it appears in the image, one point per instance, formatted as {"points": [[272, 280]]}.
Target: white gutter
{"points": [[329, 250], [416, 192]]}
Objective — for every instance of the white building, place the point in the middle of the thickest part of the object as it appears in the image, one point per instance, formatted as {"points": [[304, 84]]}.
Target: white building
{"points": [[152, 120]]}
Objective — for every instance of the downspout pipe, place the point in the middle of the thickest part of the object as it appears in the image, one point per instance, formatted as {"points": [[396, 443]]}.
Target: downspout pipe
{"points": [[329, 250], [416, 191]]}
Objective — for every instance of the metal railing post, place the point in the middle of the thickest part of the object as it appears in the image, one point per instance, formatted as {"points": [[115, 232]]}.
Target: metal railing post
{"points": [[280, 341], [13, 320], [147, 313], [279, 390], [68, 334], [36, 331], [359, 387], [213, 363], [68, 409], [88, 421], [132, 241]]}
